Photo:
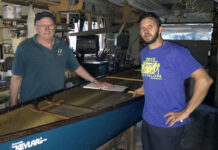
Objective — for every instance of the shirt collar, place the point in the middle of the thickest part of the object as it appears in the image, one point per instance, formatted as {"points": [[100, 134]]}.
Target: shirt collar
{"points": [[56, 40]]}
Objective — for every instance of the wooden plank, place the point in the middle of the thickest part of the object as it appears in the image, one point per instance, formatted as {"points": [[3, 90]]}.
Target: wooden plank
{"points": [[70, 110], [112, 100], [98, 13], [132, 138], [64, 6], [24, 118], [34, 2], [126, 10], [131, 92], [52, 114], [89, 22], [27, 3], [43, 2], [51, 104], [122, 78], [124, 141]]}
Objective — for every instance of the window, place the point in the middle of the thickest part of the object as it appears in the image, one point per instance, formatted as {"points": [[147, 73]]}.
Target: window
{"points": [[201, 31]]}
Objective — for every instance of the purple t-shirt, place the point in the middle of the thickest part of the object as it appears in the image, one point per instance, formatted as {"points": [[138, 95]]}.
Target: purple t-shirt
{"points": [[164, 70]]}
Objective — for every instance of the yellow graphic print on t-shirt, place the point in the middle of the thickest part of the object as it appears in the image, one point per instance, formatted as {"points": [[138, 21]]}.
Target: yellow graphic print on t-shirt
{"points": [[150, 69]]}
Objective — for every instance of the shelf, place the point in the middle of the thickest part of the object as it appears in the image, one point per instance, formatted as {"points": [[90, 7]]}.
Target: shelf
{"points": [[15, 27], [5, 55], [63, 24], [11, 53], [62, 30], [36, 4], [19, 20]]}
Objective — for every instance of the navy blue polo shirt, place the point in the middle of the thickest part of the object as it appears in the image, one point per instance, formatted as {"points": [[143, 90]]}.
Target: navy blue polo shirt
{"points": [[42, 70]]}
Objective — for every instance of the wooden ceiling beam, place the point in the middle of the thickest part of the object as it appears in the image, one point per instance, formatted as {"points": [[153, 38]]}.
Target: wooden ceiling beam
{"points": [[26, 3], [65, 6], [126, 10]]}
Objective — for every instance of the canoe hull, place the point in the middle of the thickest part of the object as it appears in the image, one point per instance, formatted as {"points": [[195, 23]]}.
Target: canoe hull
{"points": [[87, 134]]}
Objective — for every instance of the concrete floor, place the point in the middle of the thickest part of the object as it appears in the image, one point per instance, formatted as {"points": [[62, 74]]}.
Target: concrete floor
{"points": [[200, 134]]}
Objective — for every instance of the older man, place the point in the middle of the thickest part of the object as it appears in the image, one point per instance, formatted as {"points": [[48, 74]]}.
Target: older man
{"points": [[40, 63]]}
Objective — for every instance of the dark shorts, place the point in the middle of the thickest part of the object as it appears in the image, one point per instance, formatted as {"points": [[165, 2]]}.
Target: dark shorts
{"points": [[157, 138]]}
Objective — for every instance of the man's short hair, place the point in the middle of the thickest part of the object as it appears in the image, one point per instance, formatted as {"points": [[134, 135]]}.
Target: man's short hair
{"points": [[43, 14], [152, 15]]}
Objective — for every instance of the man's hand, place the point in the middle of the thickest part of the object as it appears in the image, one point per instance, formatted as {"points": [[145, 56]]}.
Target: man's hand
{"points": [[201, 86], [14, 89], [174, 117], [139, 92], [103, 84], [85, 75]]}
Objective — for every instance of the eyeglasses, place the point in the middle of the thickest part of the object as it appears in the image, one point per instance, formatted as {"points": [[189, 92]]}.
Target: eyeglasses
{"points": [[44, 26]]}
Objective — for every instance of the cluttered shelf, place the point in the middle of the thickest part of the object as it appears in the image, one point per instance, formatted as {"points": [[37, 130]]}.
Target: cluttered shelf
{"points": [[14, 23], [63, 30], [14, 27], [14, 19], [5, 74]]}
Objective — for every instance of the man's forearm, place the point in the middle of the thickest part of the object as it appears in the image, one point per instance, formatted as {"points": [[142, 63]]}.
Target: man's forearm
{"points": [[202, 84], [84, 74], [14, 89], [201, 88]]}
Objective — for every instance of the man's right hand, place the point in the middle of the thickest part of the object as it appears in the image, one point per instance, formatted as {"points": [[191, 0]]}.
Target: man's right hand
{"points": [[14, 89], [139, 92]]}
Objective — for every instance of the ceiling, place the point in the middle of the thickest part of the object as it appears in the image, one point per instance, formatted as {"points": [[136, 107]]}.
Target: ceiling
{"points": [[170, 10], [175, 10]]}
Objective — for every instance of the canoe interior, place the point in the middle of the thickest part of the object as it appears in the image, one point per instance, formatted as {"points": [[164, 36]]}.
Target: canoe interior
{"points": [[75, 102]]}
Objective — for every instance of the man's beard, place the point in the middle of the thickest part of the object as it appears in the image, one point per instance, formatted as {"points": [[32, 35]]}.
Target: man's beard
{"points": [[154, 38]]}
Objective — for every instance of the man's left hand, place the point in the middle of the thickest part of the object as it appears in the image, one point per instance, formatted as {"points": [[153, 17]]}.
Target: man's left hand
{"points": [[174, 117]]}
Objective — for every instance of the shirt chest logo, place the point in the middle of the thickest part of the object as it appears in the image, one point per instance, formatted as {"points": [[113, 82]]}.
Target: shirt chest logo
{"points": [[59, 52], [151, 69]]}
